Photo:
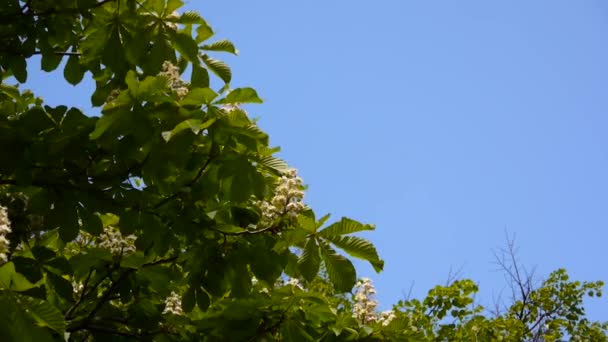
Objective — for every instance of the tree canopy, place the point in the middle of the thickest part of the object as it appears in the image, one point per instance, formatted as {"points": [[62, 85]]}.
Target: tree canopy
{"points": [[170, 218]]}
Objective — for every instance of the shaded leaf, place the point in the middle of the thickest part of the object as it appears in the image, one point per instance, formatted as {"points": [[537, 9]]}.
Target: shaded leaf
{"points": [[310, 260], [73, 71]]}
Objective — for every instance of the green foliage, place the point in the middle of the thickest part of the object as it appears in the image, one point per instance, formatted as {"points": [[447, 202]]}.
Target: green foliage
{"points": [[168, 218]]}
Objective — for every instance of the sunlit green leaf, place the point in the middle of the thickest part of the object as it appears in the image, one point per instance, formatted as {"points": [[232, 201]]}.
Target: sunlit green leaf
{"points": [[221, 45], [221, 69], [241, 95]]}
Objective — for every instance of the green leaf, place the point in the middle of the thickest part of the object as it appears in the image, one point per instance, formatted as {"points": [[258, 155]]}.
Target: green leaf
{"points": [[307, 223], [150, 86], [221, 69], [202, 299], [73, 71], [65, 217], [18, 66], [310, 260], [229, 229], [45, 314], [221, 45], [173, 5], [91, 223], [188, 300], [293, 331], [200, 77], [198, 97], [340, 270], [17, 325], [275, 164], [186, 46], [11, 280], [195, 125], [157, 6], [102, 125], [50, 61], [344, 227], [358, 248], [203, 32], [241, 95], [135, 260], [190, 17]]}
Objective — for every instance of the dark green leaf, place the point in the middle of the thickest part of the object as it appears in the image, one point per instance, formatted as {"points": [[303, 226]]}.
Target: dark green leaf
{"points": [[188, 300], [11, 280], [18, 66], [200, 77], [310, 260], [50, 61], [73, 71], [186, 46], [202, 299]]}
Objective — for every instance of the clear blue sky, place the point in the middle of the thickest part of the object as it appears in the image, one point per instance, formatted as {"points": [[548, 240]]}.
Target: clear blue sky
{"points": [[444, 123]]}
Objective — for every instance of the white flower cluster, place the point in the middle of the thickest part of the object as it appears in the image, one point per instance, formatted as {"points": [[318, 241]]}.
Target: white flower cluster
{"points": [[77, 287], [173, 304], [386, 317], [113, 95], [287, 199], [112, 239], [294, 282], [365, 305], [5, 229], [171, 72], [171, 25], [364, 309]]}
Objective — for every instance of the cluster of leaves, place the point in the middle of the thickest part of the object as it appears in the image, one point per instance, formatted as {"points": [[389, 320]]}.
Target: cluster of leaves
{"points": [[159, 198]]}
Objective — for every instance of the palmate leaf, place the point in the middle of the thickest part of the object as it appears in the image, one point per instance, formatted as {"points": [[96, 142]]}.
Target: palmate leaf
{"points": [[310, 261], [221, 45], [358, 248], [340, 270], [344, 227]]}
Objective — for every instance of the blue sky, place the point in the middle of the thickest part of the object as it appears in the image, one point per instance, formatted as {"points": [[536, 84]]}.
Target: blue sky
{"points": [[444, 123]]}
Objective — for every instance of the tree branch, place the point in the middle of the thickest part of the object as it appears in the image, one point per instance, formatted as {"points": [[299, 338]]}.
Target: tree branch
{"points": [[199, 174], [71, 310]]}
